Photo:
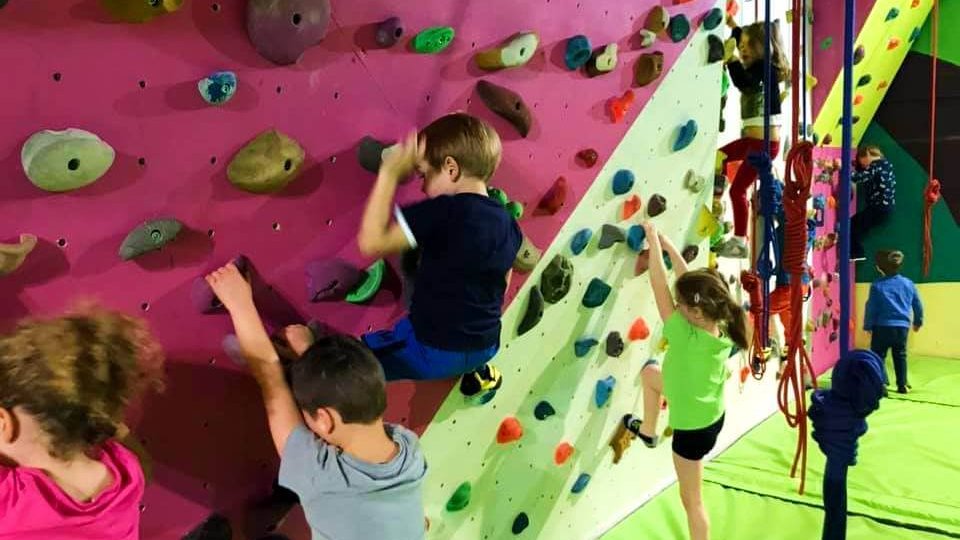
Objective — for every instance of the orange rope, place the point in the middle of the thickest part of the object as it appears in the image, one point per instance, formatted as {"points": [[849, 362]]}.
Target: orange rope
{"points": [[931, 193]]}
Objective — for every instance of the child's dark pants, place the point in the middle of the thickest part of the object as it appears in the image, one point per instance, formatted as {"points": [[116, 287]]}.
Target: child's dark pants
{"points": [[892, 338]]}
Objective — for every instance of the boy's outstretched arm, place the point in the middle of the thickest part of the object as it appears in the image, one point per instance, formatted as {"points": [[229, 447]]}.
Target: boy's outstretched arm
{"points": [[658, 273], [233, 290], [378, 236]]}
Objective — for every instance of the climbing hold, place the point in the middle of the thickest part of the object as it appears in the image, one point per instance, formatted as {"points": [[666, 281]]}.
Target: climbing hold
{"points": [[588, 157], [578, 52], [915, 3], [603, 60], [389, 32], [882, 84], [915, 34], [610, 235], [729, 48], [581, 483], [679, 28], [331, 279], [520, 523], [690, 253], [498, 195], [369, 283], [630, 207], [618, 106], [863, 81], [580, 241], [657, 20], [534, 312], [543, 410], [562, 453], [826, 43], [693, 181], [858, 99], [516, 52], [528, 256], [639, 330], [510, 430], [635, 237], [218, 87], [614, 344], [139, 12], [508, 104], [604, 389], [556, 279], [812, 81], [893, 43], [433, 40], [715, 50], [623, 181], [666, 260], [12, 256], [855, 119], [827, 139], [150, 236], [460, 498], [515, 209], [647, 38], [858, 54], [596, 293], [656, 205], [553, 199], [643, 263], [648, 68], [370, 153], [282, 30], [203, 297], [620, 442], [892, 14], [732, 8], [65, 160], [267, 163], [685, 135], [583, 345], [713, 18]]}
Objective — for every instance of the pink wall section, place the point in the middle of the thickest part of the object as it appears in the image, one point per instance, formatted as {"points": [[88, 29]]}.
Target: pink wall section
{"points": [[207, 432], [828, 22]]}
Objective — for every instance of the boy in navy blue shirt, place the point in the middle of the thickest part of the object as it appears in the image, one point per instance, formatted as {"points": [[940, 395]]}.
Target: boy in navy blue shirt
{"points": [[467, 244], [887, 315], [874, 174]]}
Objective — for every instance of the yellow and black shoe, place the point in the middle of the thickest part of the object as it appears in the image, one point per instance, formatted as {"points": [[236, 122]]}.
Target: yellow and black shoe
{"points": [[481, 385]]}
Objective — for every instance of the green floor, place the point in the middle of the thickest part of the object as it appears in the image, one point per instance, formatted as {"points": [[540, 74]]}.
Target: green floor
{"points": [[906, 485]]}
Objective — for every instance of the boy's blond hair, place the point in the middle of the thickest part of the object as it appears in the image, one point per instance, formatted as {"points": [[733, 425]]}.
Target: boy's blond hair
{"points": [[473, 143], [871, 150]]}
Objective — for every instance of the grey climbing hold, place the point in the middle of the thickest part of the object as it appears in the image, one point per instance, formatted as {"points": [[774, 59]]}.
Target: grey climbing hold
{"points": [[615, 344], [528, 256], [534, 312], [556, 279], [610, 235], [150, 236], [543, 410], [389, 32], [596, 293], [370, 153], [218, 87], [583, 345], [694, 182], [65, 160]]}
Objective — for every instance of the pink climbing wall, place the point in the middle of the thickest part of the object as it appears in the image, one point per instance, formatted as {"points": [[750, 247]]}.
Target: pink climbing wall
{"points": [[827, 63], [135, 86]]}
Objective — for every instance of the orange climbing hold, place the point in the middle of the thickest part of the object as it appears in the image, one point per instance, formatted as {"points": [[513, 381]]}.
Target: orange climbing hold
{"points": [[510, 430], [562, 453], [732, 8], [744, 374], [618, 106], [882, 85], [639, 330], [630, 207], [831, 202], [893, 43], [858, 99]]}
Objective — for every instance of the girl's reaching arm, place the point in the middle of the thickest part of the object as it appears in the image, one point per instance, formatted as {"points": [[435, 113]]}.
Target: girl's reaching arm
{"points": [[658, 273], [676, 258]]}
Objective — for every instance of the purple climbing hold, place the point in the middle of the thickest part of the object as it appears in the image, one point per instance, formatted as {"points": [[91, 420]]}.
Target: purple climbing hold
{"points": [[282, 30], [331, 279], [389, 32], [204, 300]]}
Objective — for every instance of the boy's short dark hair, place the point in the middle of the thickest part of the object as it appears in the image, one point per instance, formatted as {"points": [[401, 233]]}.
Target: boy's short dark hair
{"points": [[339, 372], [472, 142], [889, 261], [871, 150]]}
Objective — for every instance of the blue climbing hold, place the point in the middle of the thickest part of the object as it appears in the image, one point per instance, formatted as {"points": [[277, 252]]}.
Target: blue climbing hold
{"points": [[679, 28], [596, 294], [686, 135], [892, 14], [712, 19], [543, 410], [520, 523], [218, 87], [915, 34], [623, 181], [666, 261], [580, 241], [635, 237], [582, 346], [578, 52], [581, 483], [604, 389]]}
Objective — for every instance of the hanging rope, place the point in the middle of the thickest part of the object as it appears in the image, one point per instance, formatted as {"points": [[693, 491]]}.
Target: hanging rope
{"points": [[796, 193], [931, 193]]}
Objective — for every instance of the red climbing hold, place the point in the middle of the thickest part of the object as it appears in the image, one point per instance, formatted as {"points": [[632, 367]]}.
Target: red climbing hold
{"points": [[732, 8], [510, 430], [562, 453], [744, 374], [639, 329], [893, 43], [588, 157], [617, 107], [643, 263], [630, 207], [553, 199]]}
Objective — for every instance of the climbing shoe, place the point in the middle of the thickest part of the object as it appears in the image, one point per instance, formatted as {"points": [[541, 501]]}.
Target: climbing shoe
{"points": [[632, 423], [481, 384], [733, 248]]}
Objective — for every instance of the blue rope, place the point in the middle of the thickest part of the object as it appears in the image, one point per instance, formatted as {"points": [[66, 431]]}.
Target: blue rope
{"points": [[843, 251]]}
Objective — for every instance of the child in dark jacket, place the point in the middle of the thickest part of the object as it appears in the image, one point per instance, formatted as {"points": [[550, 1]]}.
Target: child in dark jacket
{"points": [[887, 316], [874, 174]]}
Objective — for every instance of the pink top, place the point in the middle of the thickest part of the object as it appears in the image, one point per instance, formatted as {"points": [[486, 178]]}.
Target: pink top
{"points": [[33, 507]]}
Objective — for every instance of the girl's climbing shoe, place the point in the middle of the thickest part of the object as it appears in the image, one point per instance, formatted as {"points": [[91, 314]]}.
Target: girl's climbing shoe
{"points": [[481, 385], [632, 424], [733, 248]]}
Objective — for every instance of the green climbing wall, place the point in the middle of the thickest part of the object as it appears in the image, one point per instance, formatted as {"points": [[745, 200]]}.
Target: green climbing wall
{"points": [[541, 365]]}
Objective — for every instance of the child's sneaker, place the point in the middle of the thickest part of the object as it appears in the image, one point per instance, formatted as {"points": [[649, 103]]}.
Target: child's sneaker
{"points": [[481, 384], [734, 248], [632, 423], [903, 390]]}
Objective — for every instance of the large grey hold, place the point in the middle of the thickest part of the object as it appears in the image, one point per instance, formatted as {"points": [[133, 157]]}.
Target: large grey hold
{"points": [[370, 153], [148, 237], [556, 279], [610, 235]]}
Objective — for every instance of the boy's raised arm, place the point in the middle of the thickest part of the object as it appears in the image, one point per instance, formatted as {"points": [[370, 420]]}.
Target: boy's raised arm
{"points": [[378, 236]]}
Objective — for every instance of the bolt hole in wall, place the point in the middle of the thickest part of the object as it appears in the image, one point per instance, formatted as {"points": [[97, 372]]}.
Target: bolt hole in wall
{"points": [[145, 307], [73, 164], [275, 226], [215, 7], [296, 19], [57, 76], [142, 83], [62, 242]]}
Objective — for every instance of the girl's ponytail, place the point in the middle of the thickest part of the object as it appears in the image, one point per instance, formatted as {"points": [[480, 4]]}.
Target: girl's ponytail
{"points": [[736, 320]]}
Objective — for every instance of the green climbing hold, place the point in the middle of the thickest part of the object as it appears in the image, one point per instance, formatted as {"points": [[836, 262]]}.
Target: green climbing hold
{"points": [[267, 163], [368, 287], [65, 160], [712, 19], [498, 195], [596, 294], [433, 40], [826, 43], [893, 14], [460, 498], [543, 410], [148, 237], [679, 28], [863, 81], [515, 209]]}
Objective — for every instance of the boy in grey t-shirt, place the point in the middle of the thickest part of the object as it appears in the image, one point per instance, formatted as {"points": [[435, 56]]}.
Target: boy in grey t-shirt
{"points": [[357, 477]]}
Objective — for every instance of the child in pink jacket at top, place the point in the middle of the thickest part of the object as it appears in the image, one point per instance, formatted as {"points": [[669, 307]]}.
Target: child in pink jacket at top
{"points": [[65, 472]]}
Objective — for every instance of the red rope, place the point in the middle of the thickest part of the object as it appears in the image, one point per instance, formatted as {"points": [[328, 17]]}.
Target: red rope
{"points": [[752, 285], [931, 193], [796, 193]]}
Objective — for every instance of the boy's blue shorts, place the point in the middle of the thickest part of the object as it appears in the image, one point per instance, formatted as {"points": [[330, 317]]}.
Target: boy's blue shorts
{"points": [[403, 357]]}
